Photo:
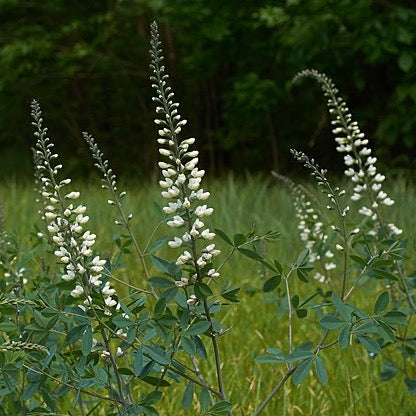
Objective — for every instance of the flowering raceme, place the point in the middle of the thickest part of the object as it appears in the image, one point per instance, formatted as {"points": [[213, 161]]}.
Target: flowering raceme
{"points": [[358, 156], [182, 179], [311, 228], [65, 221]]}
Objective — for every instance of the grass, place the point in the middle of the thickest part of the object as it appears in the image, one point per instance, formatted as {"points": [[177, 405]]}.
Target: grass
{"points": [[256, 322]]}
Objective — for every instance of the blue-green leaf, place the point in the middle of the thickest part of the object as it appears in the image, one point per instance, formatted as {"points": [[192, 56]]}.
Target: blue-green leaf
{"points": [[188, 396], [302, 370], [321, 370]]}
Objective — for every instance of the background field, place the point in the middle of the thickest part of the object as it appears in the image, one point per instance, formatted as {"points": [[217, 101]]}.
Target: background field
{"points": [[256, 323]]}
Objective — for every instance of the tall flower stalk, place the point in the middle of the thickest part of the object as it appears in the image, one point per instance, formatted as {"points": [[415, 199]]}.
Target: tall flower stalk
{"points": [[181, 184], [358, 158], [73, 245]]}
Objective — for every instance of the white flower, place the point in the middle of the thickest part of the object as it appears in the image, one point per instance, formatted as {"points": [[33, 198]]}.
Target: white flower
{"points": [[365, 211], [171, 208], [183, 258], [394, 229], [207, 235], [330, 266], [192, 300], [364, 151], [77, 292], [389, 202], [176, 222], [349, 160], [182, 283], [106, 290], [213, 273], [110, 302], [379, 177], [176, 242], [198, 224], [72, 195], [105, 354], [95, 280], [203, 211], [191, 164], [193, 183]]}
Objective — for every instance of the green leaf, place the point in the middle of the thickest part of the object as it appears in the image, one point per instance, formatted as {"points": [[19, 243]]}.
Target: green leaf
{"points": [[332, 322], [160, 264], [298, 355], [158, 244], [156, 354], [278, 266], [30, 390], [75, 334], [202, 290], [239, 239], [358, 260], [388, 371], [302, 370], [161, 282], [121, 321], [152, 398], [340, 307], [395, 317], [370, 345], [86, 345], [155, 381], [160, 306], [295, 301], [271, 283], [224, 236], [204, 399], [383, 274], [344, 337], [220, 409], [230, 294], [269, 359], [381, 302], [321, 371], [411, 385], [198, 328], [301, 313], [302, 258], [188, 396], [252, 254], [188, 345], [302, 275]]}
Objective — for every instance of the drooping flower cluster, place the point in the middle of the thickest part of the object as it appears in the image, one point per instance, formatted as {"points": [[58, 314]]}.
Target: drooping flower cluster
{"points": [[358, 156], [66, 222], [182, 179]]}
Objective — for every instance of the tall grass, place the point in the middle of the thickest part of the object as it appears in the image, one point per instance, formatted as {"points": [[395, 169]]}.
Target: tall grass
{"points": [[241, 205]]}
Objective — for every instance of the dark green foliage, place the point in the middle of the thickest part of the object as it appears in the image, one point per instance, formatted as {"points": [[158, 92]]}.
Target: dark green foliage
{"points": [[232, 62]]}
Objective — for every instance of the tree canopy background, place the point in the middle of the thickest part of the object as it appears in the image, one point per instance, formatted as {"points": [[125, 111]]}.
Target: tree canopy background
{"points": [[231, 63]]}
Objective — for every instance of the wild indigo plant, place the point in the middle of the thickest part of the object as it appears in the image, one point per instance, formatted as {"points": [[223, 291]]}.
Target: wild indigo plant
{"points": [[82, 336]]}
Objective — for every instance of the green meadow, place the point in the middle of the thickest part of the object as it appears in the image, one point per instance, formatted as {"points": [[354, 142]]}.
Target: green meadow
{"points": [[256, 204]]}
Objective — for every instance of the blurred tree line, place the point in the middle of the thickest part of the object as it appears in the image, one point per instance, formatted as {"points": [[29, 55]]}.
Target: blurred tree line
{"points": [[231, 64]]}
